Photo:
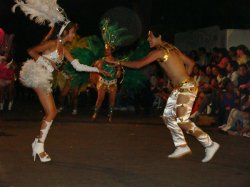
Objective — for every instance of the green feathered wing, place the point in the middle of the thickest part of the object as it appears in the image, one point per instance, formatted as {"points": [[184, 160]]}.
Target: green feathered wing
{"points": [[135, 78], [95, 45], [85, 56]]}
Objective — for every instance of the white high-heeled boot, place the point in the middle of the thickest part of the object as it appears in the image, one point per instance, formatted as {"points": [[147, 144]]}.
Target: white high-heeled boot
{"points": [[38, 144], [38, 149]]}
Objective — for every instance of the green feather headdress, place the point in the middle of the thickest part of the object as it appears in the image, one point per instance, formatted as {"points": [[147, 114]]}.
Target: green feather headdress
{"points": [[113, 35]]}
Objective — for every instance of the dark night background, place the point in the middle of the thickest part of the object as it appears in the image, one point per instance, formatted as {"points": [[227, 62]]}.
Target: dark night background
{"points": [[174, 16]]}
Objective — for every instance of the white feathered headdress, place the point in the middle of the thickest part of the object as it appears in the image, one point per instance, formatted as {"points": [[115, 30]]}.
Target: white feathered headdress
{"points": [[42, 11]]}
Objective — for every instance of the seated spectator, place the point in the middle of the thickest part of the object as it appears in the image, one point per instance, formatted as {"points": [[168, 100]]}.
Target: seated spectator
{"points": [[208, 72], [232, 54], [232, 72], [215, 71], [195, 71], [208, 100], [202, 57], [214, 58], [244, 76], [201, 78], [228, 100], [223, 58], [221, 77], [238, 122], [242, 56]]}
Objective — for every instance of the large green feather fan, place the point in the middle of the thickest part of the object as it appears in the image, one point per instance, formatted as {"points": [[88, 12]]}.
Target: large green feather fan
{"points": [[95, 45], [85, 56], [135, 78]]}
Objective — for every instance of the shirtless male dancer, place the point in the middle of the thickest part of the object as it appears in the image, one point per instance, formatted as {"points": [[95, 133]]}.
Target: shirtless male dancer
{"points": [[178, 68]]}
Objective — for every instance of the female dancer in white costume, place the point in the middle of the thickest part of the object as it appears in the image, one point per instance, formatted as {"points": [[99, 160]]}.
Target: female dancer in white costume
{"points": [[36, 73]]}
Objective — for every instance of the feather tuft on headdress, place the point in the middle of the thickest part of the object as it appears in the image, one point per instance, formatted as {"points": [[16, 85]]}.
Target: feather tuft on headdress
{"points": [[41, 11], [113, 35]]}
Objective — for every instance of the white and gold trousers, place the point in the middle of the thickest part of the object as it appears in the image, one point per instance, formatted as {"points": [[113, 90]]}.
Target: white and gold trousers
{"points": [[177, 111]]}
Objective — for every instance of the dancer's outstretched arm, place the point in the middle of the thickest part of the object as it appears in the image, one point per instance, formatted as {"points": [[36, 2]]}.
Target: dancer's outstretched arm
{"points": [[151, 57], [82, 67]]}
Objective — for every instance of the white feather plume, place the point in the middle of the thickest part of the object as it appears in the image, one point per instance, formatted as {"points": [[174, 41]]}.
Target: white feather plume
{"points": [[41, 11]]}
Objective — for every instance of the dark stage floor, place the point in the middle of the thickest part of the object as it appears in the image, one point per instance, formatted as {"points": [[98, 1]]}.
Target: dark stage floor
{"points": [[129, 152]]}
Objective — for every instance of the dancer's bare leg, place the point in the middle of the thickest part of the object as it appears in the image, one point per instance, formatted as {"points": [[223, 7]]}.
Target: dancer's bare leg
{"points": [[112, 97], [100, 98], [47, 101]]}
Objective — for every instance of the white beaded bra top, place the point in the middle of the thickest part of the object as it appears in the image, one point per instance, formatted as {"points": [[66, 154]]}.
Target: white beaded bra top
{"points": [[55, 57]]}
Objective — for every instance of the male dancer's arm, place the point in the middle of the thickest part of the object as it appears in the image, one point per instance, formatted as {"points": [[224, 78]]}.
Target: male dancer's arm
{"points": [[151, 57]]}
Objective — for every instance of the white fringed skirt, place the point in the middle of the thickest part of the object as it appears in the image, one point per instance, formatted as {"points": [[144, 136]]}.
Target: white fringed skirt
{"points": [[36, 75]]}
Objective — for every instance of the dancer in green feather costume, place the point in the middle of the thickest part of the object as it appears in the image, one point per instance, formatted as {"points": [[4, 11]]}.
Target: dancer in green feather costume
{"points": [[111, 35]]}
